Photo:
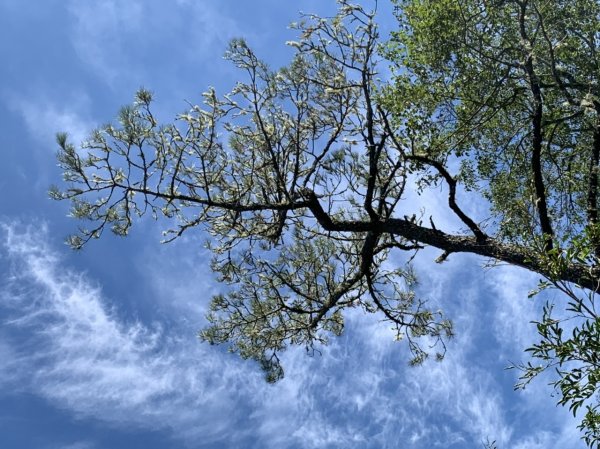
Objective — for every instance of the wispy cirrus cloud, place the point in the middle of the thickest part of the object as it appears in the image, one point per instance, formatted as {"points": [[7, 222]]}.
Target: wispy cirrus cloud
{"points": [[81, 356], [128, 42], [45, 116]]}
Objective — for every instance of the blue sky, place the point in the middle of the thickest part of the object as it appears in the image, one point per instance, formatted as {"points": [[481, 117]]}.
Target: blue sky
{"points": [[99, 347]]}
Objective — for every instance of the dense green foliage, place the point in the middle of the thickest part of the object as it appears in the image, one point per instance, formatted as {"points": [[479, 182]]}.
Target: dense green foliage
{"points": [[511, 88], [300, 175]]}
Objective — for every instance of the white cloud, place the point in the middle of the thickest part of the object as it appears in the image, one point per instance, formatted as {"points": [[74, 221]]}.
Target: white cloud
{"points": [[100, 34], [125, 42], [44, 117]]}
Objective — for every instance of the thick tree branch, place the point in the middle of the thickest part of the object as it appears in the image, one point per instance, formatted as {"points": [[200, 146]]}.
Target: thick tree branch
{"points": [[578, 274], [537, 133]]}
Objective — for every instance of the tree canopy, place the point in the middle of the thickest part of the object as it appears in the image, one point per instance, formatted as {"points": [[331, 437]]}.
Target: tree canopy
{"points": [[300, 175]]}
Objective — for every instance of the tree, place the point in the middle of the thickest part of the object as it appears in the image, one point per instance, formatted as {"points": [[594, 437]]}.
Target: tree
{"points": [[299, 175], [510, 90]]}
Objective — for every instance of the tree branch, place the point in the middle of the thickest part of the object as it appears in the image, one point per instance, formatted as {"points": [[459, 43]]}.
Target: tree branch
{"points": [[536, 155]]}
